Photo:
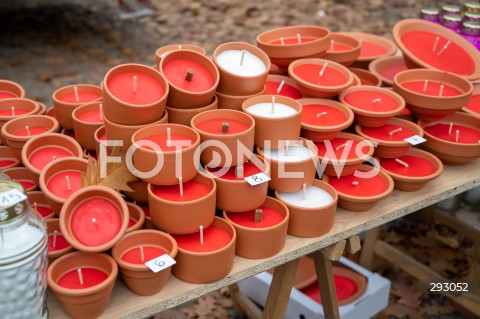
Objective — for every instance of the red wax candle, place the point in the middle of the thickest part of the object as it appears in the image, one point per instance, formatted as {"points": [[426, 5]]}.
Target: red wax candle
{"points": [[417, 166], [453, 59], [432, 88], [93, 116], [44, 210], [293, 40], [287, 90], [344, 286], [474, 104], [161, 141], [145, 208], [27, 184], [91, 277], [83, 97], [390, 71], [338, 147], [383, 133], [60, 242], [370, 49], [8, 112], [45, 155], [191, 190], [4, 162], [69, 133], [322, 115], [6, 95], [131, 222], [270, 217], [360, 187], [311, 73], [58, 183], [34, 130], [249, 169], [214, 126], [338, 47], [214, 238], [371, 101], [176, 70], [148, 89], [466, 135], [133, 255]]}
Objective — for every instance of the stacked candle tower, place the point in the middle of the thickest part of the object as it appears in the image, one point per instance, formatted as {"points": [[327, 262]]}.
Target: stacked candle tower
{"points": [[269, 137]]}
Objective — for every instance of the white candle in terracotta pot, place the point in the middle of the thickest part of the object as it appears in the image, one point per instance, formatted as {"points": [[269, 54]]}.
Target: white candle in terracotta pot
{"points": [[309, 197], [241, 62]]}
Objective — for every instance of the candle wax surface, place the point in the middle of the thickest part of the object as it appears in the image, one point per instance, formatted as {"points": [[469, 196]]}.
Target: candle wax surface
{"points": [[44, 210], [338, 47], [270, 217], [214, 238], [370, 50], [466, 135], [8, 112], [83, 97], [366, 186], [311, 73], [433, 88], [34, 130], [365, 100], [265, 110], [214, 126], [249, 169], [131, 222], [92, 116], [344, 286], [91, 277], [293, 40], [287, 90], [149, 89], [6, 162], [315, 197], [391, 71], [149, 252], [58, 184], [176, 70], [192, 190], [295, 153], [382, 133], [453, 59], [474, 104], [145, 208], [61, 243], [417, 166], [350, 148], [311, 115], [230, 61], [6, 95], [161, 141], [41, 157], [27, 184], [107, 226]]}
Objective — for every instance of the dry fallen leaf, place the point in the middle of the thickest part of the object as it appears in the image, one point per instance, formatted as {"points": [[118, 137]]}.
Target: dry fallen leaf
{"points": [[408, 295]]}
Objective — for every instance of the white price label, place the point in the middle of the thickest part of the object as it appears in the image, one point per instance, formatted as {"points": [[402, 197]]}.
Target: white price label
{"points": [[160, 263], [257, 179], [12, 197], [415, 140]]}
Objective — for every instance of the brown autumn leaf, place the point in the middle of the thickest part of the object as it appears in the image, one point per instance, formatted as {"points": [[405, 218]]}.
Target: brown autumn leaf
{"points": [[408, 295], [443, 267], [204, 308]]}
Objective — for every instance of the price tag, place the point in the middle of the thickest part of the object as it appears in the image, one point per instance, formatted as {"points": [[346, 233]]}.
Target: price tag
{"points": [[415, 140], [257, 179], [160, 263], [12, 197]]}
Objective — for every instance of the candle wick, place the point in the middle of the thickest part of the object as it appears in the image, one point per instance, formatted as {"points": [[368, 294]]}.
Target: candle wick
{"points": [[450, 128], [189, 76], [242, 57], [169, 137], [201, 234], [394, 131], [35, 207], [299, 38], [258, 215], [441, 90], [69, 185], [179, 47], [142, 255], [239, 171], [281, 41], [94, 221], [54, 157], [332, 42], [273, 105], [401, 162], [134, 84], [80, 277], [375, 101], [54, 243], [279, 89], [444, 47], [75, 91], [355, 183], [425, 86], [13, 111], [28, 130], [287, 145], [435, 44], [322, 113], [457, 133], [341, 146], [100, 111], [180, 185], [323, 69], [225, 127], [304, 191]]}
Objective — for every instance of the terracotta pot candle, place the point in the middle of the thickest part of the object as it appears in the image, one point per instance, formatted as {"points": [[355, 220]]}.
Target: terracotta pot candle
{"points": [[184, 116], [57, 245], [234, 130], [292, 165], [39, 203], [455, 139], [42, 109], [83, 283], [192, 77], [361, 191], [131, 253], [10, 89], [139, 193], [87, 119], [319, 77], [312, 209], [21, 175], [282, 85], [387, 67], [344, 154], [182, 208], [373, 106], [428, 45], [51, 112], [261, 232], [391, 137], [372, 47], [68, 98], [473, 107], [234, 102], [243, 68], [161, 52], [169, 141], [366, 77], [432, 94], [13, 108], [277, 118], [343, 49], [148, 224], [7, 157], [323, 119], [413, 170], [100, 137], [136, 217], [207, 255]]}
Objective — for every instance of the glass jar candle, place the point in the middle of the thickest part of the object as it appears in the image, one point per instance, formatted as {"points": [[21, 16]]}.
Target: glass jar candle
{"points": [[430, 14], [471, 6], [451, 9], [471, 32], [452, 22], [471, 16]]}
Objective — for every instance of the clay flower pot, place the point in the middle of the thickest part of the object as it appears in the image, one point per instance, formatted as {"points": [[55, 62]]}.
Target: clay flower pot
{"points": [[241, 131], [210, 266], [51, 112], [430, 107], [291, 167], [83, 303], [347, 55], [312, 86], [21, 107], [387, 67], [131, 111], [188, 99], [270, 131], [288, 89], [136, 217], [411, 178], [140, 193], [42, 109], [234, 84], [366, 77], [381, 47], [318, 122], [388, 146], [257, 242], [234, 102], [311, 221], [465, 61], [114, 131], [137, 276], [11, 89], [163, 51], [21, 175], [448, 151], [39, 203], [473, 107], [146, 159], [372, 106], [85, 123], [184, 116], [339, 166], [183, 216], [235, 194], [7, 157], [72, 225], [100, 136], [64, 104], [61, 246], [40, 142]]}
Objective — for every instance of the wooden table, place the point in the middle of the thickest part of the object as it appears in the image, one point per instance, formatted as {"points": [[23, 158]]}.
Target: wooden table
{"points": [[125, 304]]}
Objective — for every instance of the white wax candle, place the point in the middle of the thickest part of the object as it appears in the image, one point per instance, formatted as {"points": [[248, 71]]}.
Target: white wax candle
{"points": [[314, 197], [265, 110], [250, 66], [295, 153]]}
